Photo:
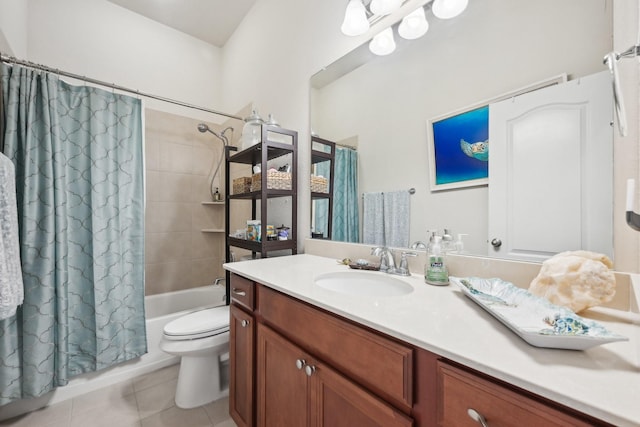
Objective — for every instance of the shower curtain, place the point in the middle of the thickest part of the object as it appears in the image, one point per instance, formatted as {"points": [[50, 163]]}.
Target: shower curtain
{"points": [[345, 197], [78, 156]]}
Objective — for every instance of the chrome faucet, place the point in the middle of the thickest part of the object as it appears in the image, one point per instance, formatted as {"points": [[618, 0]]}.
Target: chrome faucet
{"points": [[388, 263]]}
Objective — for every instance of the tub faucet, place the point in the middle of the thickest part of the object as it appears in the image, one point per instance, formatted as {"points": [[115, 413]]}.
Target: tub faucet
{"points": [[218, 281], [387, 263]]}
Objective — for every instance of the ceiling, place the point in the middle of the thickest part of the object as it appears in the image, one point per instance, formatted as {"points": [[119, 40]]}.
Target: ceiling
{"points": [[212, 21]]}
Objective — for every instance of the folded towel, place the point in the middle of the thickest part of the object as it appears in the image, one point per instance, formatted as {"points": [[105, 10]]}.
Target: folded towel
{"points": [[11, 286]]}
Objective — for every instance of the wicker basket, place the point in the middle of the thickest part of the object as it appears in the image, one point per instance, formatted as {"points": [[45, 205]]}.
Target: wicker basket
{"points": [[242, 185], [275, 181], [319, 184]]}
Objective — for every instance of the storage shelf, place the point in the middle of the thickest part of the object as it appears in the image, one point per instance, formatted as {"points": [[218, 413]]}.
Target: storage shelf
{"points": [[221, 203], [254, 195], [268, 246]]}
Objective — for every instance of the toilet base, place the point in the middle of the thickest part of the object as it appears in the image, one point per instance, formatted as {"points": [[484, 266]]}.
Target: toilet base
{"points": [[199, 381]]}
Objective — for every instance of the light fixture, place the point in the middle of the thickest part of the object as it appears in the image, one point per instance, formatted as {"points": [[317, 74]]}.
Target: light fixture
{"points": [[447, 9], [355, 19], [383, 43], [384, 7], [413, 25]]}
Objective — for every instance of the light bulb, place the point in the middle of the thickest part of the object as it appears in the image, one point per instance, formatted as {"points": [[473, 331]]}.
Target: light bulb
{"points": [[383, 43], [447, 9], [413, 25], [355, 19], [384, 7]]}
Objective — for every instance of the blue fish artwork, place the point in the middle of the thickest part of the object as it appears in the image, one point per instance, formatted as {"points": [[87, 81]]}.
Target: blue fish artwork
{"points": [[453, 163], [477, 150]]}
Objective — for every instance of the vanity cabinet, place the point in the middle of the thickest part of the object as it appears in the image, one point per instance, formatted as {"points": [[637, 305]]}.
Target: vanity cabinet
{"points": [[469, 399], [294, 364], [297, 389], [242, 351]]}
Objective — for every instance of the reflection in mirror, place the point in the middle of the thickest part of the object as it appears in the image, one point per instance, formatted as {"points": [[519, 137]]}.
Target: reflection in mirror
{"points": [[493, 48]]}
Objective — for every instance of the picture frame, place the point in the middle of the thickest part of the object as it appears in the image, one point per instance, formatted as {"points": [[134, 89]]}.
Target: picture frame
{"points": [[458, 142]]}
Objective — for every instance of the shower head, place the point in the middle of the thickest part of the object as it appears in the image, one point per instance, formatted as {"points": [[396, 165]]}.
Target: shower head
{"points": [[202, 127]]}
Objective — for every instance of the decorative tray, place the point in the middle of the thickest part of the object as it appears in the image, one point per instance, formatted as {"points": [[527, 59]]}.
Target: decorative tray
{"points": [[535, 319]]}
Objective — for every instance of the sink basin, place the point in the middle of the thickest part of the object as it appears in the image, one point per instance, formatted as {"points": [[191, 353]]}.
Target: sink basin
{"points": [[363, 284]]}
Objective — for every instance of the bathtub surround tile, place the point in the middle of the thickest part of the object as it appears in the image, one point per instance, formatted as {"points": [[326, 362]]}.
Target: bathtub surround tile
{"points": [[168, 247], [157, 398], [175, 157], [153, 188], [205, 216], [205, 271], [167, 277], [163, 217], [201, 190], [175, 416], [160, 376], [175, 187], [179, 163]]}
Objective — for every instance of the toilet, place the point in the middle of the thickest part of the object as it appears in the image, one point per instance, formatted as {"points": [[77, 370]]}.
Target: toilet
{"points": [[201, 339]]}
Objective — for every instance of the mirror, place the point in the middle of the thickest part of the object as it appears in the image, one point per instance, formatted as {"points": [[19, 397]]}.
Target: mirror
{"points": [[382, 105]]}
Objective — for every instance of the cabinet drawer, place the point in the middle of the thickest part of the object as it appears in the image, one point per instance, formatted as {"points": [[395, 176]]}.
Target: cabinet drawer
{"points": [[380, 364], [242, 292], [459, 391]]}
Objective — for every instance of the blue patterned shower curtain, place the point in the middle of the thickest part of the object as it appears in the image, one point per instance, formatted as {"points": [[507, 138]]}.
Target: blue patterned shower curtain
{"points": [[345, 226], [79, 171]]}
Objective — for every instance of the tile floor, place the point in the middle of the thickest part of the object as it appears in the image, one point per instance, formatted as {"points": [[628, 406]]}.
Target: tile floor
{"points": [[146, 401]]}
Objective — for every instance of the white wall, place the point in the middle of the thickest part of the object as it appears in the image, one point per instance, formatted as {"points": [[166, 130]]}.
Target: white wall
{"points": [[104, 41], [13, 28]]}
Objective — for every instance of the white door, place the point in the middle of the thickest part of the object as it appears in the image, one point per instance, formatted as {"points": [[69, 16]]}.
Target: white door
{"points": [[550, 171]]}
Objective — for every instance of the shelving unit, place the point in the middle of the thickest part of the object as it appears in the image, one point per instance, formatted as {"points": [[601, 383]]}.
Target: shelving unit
{"points": [[276, 142], [323, 150]]}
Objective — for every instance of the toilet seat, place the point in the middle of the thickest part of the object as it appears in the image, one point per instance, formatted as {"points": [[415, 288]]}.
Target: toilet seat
{"points": [[199, 324]]}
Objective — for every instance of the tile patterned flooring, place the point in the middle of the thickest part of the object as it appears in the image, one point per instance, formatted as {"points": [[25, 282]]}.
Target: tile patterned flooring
{"points": [[145, 401]]}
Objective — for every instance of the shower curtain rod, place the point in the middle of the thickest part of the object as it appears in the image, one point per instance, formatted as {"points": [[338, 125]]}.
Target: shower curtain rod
{"points": [[12, 60]]}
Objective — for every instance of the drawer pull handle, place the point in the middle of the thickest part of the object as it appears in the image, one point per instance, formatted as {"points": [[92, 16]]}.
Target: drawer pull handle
{"points": [[239, 292], [300, 363], [309, 370], [244, 323], [477, 417]]}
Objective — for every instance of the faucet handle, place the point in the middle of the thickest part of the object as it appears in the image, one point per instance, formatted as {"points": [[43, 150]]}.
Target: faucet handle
{"points": [[403, 269]]}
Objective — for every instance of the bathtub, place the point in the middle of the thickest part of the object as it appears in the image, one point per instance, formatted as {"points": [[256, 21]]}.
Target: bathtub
{"points": [[159, 309]]}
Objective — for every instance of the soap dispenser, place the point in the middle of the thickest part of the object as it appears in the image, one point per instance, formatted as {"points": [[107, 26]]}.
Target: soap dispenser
{"points": [[435, 271]]}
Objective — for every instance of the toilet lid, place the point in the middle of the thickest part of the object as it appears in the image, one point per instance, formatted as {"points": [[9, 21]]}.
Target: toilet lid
{"points": [[199, 324]]}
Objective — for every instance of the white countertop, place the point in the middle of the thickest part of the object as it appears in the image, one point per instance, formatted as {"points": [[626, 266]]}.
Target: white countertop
{"points": [[603, 381]]}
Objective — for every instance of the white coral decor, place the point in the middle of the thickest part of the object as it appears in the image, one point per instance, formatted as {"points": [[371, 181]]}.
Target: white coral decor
{"points": [[577, 280]]}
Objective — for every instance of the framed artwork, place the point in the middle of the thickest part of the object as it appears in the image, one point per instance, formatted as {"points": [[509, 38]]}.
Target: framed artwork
{"points": [[459, 146]]}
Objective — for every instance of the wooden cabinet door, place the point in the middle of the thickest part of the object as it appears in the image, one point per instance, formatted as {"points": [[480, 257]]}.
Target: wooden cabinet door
{"points": [[339, 402], [241, 360], [282, 388]]}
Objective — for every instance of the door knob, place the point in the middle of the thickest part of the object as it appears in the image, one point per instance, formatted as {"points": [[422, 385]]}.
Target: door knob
{"points": [[244, 323], [496, 243], [300, 363]]}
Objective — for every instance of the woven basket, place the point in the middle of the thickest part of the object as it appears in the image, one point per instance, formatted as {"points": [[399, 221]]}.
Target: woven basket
{"points": [[242, 185], [319, 184], [275, 181]]}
